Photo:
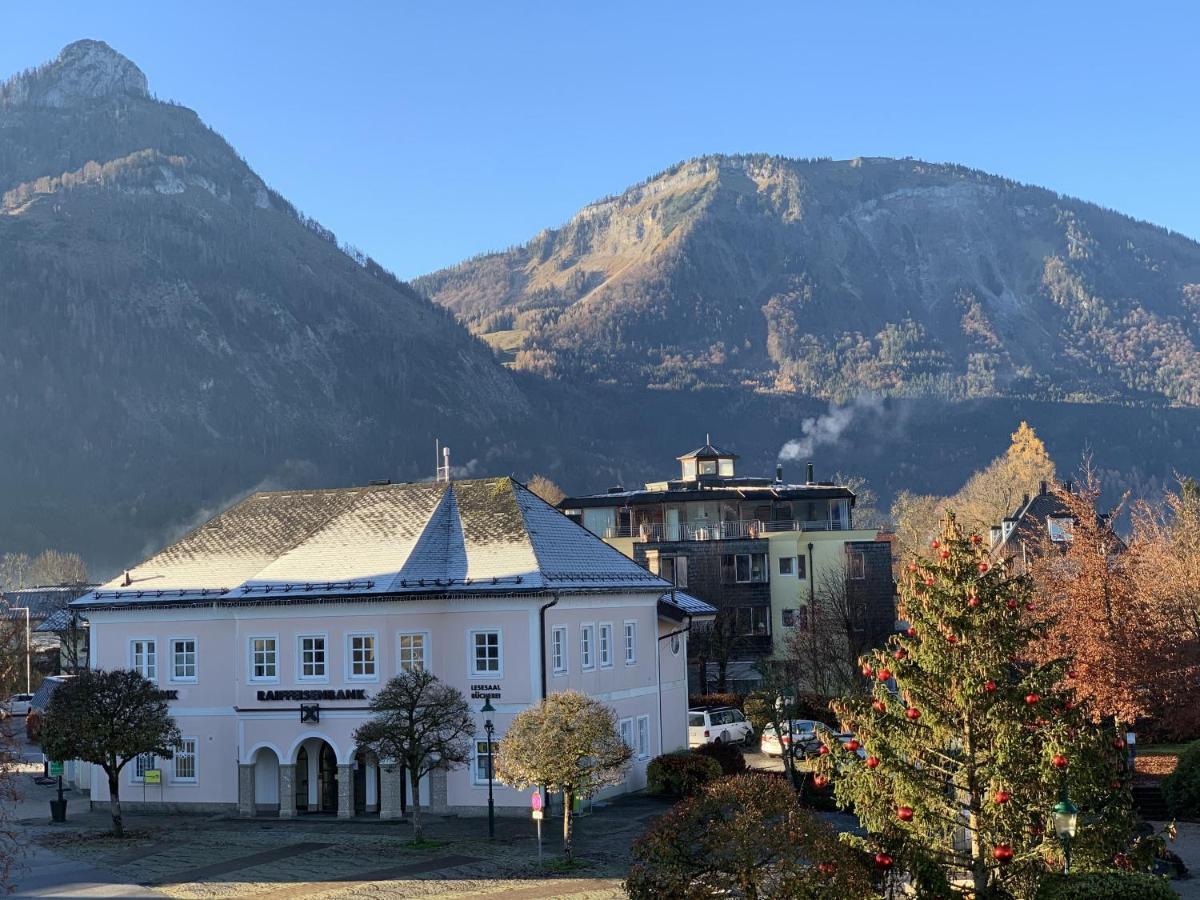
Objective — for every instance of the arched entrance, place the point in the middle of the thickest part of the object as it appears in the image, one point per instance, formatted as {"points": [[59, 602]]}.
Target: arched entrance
{"points": [[366, 783], [316, 777], [266, 780]]}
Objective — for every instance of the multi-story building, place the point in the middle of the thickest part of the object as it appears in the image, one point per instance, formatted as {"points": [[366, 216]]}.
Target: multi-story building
{"points": [[763, 551], [271, 627]]}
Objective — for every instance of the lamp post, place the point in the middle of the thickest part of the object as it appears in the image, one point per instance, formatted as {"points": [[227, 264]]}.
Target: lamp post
{"points": [[28, 649], [1066, 818], [488, 728]]}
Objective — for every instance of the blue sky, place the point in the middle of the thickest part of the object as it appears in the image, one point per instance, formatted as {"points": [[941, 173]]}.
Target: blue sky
{"points": [[426, 134]]}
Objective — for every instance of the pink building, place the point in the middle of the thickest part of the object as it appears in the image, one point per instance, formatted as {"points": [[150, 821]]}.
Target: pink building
{"points": [[272, 625]]}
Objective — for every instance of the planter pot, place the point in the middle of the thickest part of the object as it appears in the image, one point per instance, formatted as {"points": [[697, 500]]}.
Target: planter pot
{"points": [[58, 810]]}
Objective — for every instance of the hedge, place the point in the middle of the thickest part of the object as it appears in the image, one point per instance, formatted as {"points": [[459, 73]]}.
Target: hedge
{"points": [[1181, 788], [729, 757], [1105, 886], [680, 774], [734, 700]]}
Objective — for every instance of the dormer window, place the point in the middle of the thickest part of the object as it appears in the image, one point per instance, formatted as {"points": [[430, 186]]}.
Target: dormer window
{"points": [[708, 467], [1061, 529], [706, 461], [725, 468]]}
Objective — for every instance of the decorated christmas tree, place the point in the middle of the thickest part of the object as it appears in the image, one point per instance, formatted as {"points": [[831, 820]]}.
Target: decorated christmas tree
{"points": [[964, 747]]}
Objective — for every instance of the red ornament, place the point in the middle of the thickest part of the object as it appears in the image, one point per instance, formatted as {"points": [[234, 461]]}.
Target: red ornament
{"points": [[928, 582], [1119, 743], [1115, 784], [983, 567], [1011, 604], [883, 860], [911, 632], [905, 814], [872, 762], [1071, 673], [879, 706], [1031, 607], [935, 544], [989, 686], [972, 601], [976, 539], [952, 638], [885, 674], [820, 781], [913, 713], [1059, 761], [1002, 796], [945, 554], [1032, 698], [824, 751], [852, 745], [1003, 853], [867, 671], [826, 868]]}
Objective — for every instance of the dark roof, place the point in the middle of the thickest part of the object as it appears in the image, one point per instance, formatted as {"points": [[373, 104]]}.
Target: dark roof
{"points": [[708, 451], [719, 489], [486, 536], [1030, 523], [43, 601], [680, 604], [41, 697]]}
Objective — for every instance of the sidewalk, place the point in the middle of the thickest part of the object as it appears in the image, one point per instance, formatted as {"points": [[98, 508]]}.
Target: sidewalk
{"points": [[47, 874]]}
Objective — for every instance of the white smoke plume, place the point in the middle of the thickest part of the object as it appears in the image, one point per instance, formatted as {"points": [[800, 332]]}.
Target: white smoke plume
{"points": [[827, 430]]}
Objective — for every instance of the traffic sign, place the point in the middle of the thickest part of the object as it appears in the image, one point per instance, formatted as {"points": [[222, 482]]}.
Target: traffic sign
{"points": [[536, 802], [537, 815], [56, 768], [152, 776]]}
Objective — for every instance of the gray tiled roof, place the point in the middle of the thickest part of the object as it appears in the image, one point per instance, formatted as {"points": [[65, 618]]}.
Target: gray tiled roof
{"points": [[687, 604], [465, 537]]}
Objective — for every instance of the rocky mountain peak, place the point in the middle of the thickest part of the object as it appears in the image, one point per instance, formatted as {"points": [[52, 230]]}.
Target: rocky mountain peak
{"points": [[84, 71]]}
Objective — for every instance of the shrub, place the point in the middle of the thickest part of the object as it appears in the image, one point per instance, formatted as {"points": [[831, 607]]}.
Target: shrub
{"points": [[729, 757], [734, 700], [33, 726], [1182, 787], [680, 774], [1105, 886], [745, 836]]}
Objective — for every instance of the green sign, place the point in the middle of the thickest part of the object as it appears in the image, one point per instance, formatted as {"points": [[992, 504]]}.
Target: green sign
{"points": [[152, 776], [56, 768]]}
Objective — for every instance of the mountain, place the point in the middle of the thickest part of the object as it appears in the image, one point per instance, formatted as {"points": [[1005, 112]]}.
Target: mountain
{"points": [[173, 332], [830, 278]]}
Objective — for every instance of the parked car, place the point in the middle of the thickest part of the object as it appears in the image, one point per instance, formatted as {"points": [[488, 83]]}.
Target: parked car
{"points": [[18, 704], [803, 731], [718, 725], [823, 734]]}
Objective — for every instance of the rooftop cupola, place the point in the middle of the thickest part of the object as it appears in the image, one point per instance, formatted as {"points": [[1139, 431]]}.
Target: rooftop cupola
{"points": [[707, 461]]}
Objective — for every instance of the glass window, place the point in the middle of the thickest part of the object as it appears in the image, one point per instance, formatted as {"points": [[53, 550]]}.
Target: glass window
{"points": [[787, 565], [586, 639], [801, 566], [144, 658], [753, 620], [695, 720], [750, 567], [185, 760], [1061, 529], [486, 656], [264, 658], [758, 567], [312, 656], [627, 733], [789, 618], [742, 568], [643, 737], [412, 652], [725, 468], [143, 762], [857, 563], [559, 649], [605, 644], [183, 659], [708, 467], [630, 643], [480, 769], [689, 470], [362, 656]]}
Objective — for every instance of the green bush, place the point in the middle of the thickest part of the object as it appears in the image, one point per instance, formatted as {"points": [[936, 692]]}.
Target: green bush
{"points": [[680, 774], [1182, 787], [729, 757], [1105, 886], [727, 699]]}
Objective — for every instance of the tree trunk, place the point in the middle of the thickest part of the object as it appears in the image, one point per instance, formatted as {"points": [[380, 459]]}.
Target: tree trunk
{"points": [[568, 803], [703, 661], [415, 780], [722, 665], [979, 871], [114, 804]]}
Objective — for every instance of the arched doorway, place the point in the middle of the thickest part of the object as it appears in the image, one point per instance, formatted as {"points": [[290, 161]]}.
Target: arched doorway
{"points": [[266, 780], [366, 783], [316, 777]]}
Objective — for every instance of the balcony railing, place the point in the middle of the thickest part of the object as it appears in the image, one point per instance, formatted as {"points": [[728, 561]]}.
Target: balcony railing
{"points": [[716, 531]]}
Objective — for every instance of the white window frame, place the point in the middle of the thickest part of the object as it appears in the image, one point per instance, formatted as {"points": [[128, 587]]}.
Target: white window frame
{"points": [[626, 726], [604, 648], [153, 643], [472, 659], [629, 642], [426, 651], [480, 754], [174, 676], [791, 560], [135, 776], [195, 755], [643, 733], [587, 646], [374, 636], [323, 678], [261, 679], [558, 650], [1063, 526]]}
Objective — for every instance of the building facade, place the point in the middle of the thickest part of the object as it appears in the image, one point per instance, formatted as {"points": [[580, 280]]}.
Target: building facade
{"points": [[271, 627], [763, 551]]}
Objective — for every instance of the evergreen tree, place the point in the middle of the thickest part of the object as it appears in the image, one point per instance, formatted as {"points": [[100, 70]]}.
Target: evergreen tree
{"points": [[966, 746]]}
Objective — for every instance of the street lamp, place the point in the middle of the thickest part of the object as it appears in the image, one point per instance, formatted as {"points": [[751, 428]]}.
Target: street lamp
{"points": [[28, 649], [488, 728], [1066, 817]]}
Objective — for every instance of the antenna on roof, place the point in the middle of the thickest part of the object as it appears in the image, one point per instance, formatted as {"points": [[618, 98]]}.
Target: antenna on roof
{"points": [[707, 438], [442, 472]]}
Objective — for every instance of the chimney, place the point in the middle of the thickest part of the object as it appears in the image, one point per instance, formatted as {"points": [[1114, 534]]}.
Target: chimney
{"points": [[811, 477], [1043, 487], [128, 581], [779, 473]]}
